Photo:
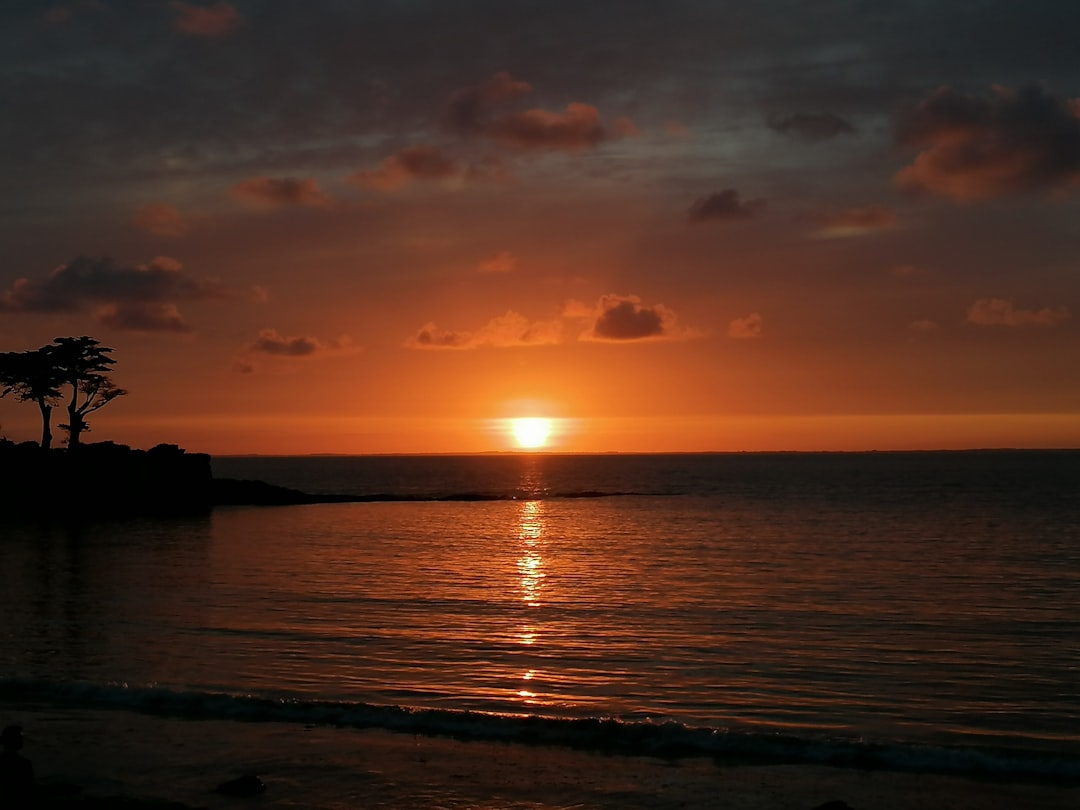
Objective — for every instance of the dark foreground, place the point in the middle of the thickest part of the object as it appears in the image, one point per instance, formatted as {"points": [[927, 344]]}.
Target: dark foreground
{"points": [[128, 761]]}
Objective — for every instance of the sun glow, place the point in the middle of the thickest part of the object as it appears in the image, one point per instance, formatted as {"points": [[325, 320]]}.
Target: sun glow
{"points": [[531, 432]]}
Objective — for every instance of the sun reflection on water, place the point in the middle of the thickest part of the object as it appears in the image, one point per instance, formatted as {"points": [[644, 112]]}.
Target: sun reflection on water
{"points": [[530, 563], [531, 575]]}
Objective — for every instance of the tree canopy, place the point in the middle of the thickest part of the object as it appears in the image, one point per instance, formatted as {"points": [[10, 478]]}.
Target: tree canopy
{"points": [[32, 377], [79, 365]]}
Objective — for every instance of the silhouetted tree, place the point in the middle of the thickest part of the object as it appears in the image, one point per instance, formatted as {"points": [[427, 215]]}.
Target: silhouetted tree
{"points": [[32, 377], [82, 363]]}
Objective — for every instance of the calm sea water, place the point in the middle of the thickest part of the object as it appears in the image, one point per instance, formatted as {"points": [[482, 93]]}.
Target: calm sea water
{"points": [[894, 610]]}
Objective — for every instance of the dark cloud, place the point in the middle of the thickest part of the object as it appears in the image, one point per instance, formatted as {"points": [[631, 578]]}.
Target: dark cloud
{"points": [[216, 20], [811, 126], [423, 163], [506, 331], [469, 106], [472, 111], [430, 336], [143, 317], [270, 341], [301, 80], [973, 147], [724, 206], [576, 128], [1000, 312], [270, 192], [628, 320], [160, 219], [102, 281], [618, 318]]}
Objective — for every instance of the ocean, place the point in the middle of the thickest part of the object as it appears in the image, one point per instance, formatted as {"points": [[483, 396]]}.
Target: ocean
{"points": [[888, 611]]}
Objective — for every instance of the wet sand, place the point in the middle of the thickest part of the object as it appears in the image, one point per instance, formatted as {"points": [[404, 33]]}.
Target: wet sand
{"points": [[120, 754]]}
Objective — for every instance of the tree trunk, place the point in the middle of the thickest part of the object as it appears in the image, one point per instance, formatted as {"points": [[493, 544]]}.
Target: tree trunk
{"points": [[46, 428], [75, 427]]}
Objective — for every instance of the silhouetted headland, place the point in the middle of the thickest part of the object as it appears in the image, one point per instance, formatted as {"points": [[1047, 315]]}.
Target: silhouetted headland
{"points": [[106, 480], [102, 480]]}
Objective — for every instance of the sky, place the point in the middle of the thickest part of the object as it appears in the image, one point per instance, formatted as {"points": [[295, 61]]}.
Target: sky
{"points": [[687, 225]]}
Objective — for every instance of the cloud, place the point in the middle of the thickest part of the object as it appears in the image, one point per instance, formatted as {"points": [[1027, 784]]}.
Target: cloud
{"points": [[975, 148], [273, 343], [217, 20], [811, 126], [1000, 312], [472, 111], [724, 206], [160, 219], [618, 318], [468, 106], [143, 317], [751, 326], [270, 192], [431, 336], [506, 331], [139, 299], [576, 128], [270, 341], [502, 262], [101, 281], [421, 163], [856, 221]]}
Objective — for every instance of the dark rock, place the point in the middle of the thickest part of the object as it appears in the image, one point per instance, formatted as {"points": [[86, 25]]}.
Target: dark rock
{"points": [[243, 492], [235, 492], [835, 804], [243, 786]]}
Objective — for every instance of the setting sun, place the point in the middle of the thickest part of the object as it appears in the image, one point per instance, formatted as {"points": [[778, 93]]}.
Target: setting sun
{"points": [[531, 432]]}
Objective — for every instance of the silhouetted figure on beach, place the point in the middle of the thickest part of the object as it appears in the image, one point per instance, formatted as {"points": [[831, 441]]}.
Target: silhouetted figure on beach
{"points": [[16, 772]]}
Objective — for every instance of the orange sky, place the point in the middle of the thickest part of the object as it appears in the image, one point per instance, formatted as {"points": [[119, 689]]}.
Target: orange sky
{"points": [[678, 226]]}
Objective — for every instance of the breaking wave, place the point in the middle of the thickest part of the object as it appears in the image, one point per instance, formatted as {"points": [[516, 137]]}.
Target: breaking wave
{"points": [[668, 739]]}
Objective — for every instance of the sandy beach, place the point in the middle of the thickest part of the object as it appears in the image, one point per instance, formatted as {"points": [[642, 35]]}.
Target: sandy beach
{"points": [[121, 754]]}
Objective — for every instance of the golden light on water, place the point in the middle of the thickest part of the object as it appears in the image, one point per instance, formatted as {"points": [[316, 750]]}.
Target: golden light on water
{"points": [[531, 564], [526, 693]]}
